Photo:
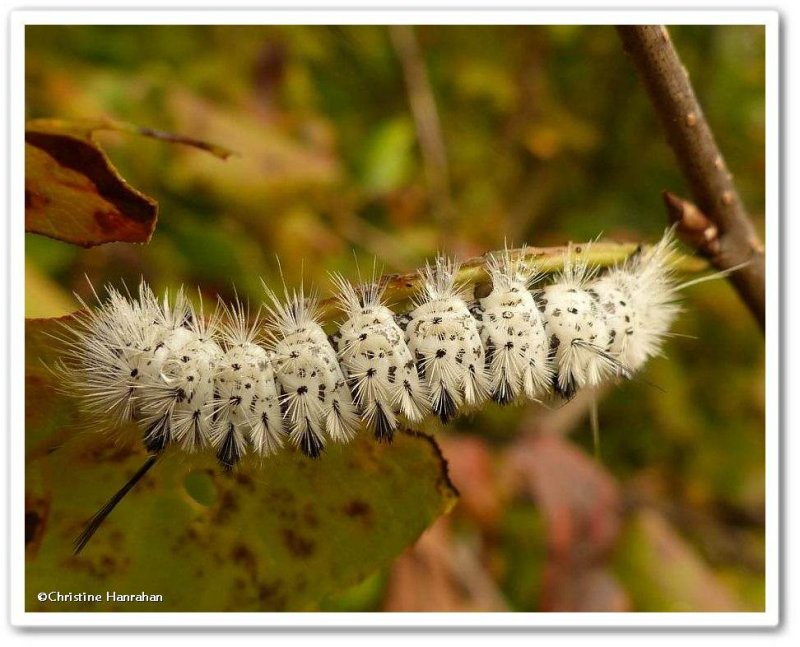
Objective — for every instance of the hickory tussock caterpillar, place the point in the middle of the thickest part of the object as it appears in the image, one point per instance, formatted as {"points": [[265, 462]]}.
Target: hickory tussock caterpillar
{"points": [[444, 339], [376, 360], [314, 394], [198, 382], [512, 332]]}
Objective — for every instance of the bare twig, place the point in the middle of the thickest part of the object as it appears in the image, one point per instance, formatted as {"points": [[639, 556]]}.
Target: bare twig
{"points": [[87, 127], [692, 141], [426, 117], [693, 226]]}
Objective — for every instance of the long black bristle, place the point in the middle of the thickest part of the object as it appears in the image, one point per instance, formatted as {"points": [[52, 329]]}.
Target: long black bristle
{"points": [[94, 523]]}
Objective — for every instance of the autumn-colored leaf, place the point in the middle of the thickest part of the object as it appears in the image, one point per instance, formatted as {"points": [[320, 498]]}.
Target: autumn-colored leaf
{"points": [[280, 535], [473, 473], [441, 573], [581, 504], [72, 190]]}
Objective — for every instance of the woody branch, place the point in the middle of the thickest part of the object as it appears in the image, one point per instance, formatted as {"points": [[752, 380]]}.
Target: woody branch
{"points": [[719, 226]]}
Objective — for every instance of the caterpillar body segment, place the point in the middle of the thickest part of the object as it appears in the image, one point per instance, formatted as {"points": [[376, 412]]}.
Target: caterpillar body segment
{"points": [[512, 332], [616, 297], [576, 328], [174, 402], [316, 401], [108, 350], [175, 406], [444, 341], [376, 361], [639, 298], [246, 406]]}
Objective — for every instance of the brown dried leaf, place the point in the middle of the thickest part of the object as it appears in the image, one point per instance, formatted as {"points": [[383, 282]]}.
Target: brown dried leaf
{"points": [[72, 190]]}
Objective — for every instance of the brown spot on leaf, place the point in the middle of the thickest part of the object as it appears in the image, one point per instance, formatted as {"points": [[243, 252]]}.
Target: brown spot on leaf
{"points": [[272, 596], [357, 509], [36, 514], [244, 481], [243, 556], [297, 545], [267, 590], [98, 564], [310, 516], [227, 507], [32, 523]]}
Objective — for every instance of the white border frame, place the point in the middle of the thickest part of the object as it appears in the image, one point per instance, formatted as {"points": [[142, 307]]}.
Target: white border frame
{"points": [[19, 617]]}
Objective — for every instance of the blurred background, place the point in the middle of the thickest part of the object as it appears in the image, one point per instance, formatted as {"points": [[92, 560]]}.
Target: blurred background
{"points": [[369, 142]]}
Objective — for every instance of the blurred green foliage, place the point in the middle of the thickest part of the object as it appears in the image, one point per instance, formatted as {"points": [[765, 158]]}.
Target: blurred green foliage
{"points": [[548, 137]]}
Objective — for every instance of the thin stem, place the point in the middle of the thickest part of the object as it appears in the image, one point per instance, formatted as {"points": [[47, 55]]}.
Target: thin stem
{"points": [[400, 287], [426, 118], [695, 148]]}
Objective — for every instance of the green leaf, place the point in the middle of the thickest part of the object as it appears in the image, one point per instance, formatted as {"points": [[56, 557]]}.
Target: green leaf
{"points": [[388, 156], [280, 535]]}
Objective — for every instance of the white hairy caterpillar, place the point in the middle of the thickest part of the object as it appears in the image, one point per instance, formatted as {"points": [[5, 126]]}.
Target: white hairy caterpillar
{"points": [[315, 397], [512, 332], [444, 340], [197, 382], [374, 356]]}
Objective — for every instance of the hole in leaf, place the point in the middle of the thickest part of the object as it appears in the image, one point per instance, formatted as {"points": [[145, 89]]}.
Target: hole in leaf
{"points": [[200, 487]]}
